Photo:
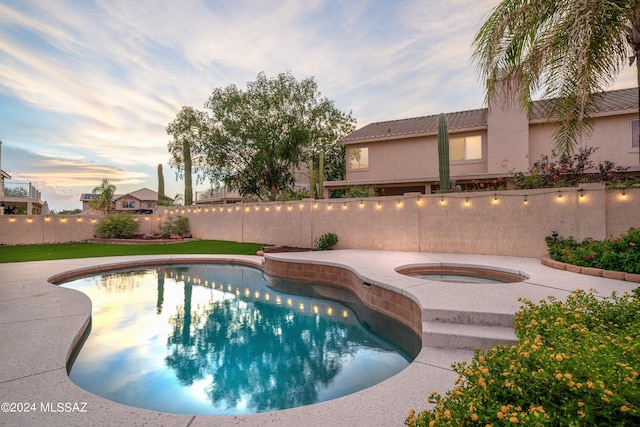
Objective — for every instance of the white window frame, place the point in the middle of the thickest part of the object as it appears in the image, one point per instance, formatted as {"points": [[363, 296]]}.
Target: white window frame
{"points": [[465, 160], [633, 139]]}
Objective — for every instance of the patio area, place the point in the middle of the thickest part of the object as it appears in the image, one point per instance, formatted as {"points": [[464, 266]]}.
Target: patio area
{"points": [[42, 322]]}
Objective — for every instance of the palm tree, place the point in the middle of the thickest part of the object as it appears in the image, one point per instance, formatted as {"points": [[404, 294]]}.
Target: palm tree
{"points": [[569, 50], [105, 192]]}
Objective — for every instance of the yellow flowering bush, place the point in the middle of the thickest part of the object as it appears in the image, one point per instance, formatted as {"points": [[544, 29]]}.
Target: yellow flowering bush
{"points": [[576, 363]]}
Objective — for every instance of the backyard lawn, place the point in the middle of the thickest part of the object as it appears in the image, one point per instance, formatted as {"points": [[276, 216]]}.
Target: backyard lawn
{"points": [[22, 253]]}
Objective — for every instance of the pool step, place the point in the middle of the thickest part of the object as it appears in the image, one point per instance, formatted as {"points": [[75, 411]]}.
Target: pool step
{"points": [[466, 329], [468, 317], [465, 336]]}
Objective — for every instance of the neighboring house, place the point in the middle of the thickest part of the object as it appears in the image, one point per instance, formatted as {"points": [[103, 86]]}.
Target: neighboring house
{"points": [[19, 196], [222, 195], [86, 199], [139, 199], [401, 156], [142, 199]]}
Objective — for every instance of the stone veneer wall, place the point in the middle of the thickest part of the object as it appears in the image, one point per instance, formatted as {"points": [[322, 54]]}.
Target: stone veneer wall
{"points": [[501, 223], [385, 301]]}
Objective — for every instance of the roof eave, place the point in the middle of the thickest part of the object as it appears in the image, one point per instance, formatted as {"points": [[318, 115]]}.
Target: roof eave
{"points": [[393, 137]]}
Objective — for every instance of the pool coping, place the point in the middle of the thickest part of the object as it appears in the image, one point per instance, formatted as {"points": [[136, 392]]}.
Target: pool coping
{"points": [[41, 322]]}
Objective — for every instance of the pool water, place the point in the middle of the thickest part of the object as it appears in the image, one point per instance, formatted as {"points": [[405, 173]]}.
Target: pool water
{"points": [[220, 340]]}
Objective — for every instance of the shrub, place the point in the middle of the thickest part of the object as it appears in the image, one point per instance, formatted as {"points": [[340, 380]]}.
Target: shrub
{"points": [[564, 170], [620, 253], [576, 363], [325, 242], [358, 191], [294, 194], [175, 225], [117, 226]]}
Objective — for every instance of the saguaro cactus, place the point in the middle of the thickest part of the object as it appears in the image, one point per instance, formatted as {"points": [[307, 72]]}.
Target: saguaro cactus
{"points": [[321, 175], [443, 153], [161, 195], [312, 178], [188, 187]]}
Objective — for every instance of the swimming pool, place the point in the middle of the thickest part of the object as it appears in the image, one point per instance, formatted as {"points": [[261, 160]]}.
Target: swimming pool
{"points": [[224, 340]]}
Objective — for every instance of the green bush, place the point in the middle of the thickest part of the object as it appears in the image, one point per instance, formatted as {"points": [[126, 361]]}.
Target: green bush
{"points": [[358, 191], [576, 363], [325, 242], [117, 226], [564, 170], [620, 253], [175, 225]]}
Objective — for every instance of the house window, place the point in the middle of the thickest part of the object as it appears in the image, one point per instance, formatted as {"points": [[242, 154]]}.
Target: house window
{"points": [[466, 148], [129, 205], [635, 132], [358, 158]]}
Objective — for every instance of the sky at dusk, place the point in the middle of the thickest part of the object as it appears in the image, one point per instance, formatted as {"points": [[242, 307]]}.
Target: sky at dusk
{"points": [[87, 87]]}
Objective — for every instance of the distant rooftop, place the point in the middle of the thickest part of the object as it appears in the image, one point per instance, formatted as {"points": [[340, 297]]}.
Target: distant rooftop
{"points": [[616, 100]]}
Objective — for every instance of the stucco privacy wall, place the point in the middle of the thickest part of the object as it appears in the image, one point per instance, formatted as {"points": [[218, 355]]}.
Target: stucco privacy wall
{"points": [[501, 223], [37, 229]]}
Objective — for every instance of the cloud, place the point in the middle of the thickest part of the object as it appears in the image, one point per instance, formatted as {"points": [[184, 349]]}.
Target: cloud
{"points": [[96, 82], [54, 171]]}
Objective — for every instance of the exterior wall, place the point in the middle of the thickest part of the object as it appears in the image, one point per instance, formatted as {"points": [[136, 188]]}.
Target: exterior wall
{"points": [[508, 136], [611, 134], [408, 158], [413, 222], [38, 229], [137, 203]]}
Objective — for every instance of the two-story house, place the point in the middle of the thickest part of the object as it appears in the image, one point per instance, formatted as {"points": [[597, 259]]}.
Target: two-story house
{"points": [[18, 197], [400, 156], [143, 200]]}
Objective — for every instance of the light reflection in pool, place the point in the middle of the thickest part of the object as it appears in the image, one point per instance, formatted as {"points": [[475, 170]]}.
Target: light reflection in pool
{"points": [[218, 340]]}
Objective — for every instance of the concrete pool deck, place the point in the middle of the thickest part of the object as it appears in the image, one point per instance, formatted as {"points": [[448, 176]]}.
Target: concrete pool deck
{"points": [[41, 322]]}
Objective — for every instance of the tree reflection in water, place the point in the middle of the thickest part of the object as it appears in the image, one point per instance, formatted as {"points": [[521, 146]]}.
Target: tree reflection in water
{"points": [[250, 348]]}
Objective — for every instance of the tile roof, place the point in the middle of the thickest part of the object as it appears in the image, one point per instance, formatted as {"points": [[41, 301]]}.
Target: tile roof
{"points": [[418, 126], [615, 100], [142, 194]]}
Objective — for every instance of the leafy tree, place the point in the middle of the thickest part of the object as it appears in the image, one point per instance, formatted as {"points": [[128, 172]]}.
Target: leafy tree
{"points": [[571, 49], [190, 135], [69, 212], [16, 192], [105, 192], [255, 139]]}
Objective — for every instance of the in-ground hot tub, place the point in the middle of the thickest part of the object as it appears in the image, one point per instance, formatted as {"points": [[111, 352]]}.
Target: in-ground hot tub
{"points": [[462, 273]]}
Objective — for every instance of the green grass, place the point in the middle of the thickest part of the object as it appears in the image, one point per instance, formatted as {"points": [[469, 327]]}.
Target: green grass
{"points": [[23, 253]]}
